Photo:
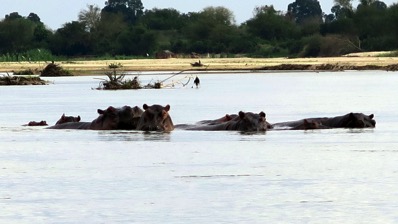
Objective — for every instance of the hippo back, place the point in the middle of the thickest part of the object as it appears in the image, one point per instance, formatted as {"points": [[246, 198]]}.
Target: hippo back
{"points": [[155, 118], [245, 122], [308, 124], [107, 120]]}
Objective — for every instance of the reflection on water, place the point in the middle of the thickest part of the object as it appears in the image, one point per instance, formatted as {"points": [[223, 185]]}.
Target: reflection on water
{"points": [[133, 136], [319, 176]]}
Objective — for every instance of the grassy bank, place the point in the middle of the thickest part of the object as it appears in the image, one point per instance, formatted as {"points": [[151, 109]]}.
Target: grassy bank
{"points": [[176, 64]]}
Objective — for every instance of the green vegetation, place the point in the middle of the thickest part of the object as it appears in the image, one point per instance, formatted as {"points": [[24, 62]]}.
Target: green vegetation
{"points": [[125, 29]]}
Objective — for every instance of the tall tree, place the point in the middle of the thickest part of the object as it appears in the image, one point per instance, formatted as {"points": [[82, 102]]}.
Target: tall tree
{"points": [[163, 19], [34, 18], [270, 24], [12, 16], [304, 10], [344, 3], [90, 17], [71, 40], [132, 10]]}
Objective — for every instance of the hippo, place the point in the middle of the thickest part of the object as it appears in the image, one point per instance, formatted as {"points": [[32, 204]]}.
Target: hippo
{"points": [[66, 119], [107, 120], [220, 120], [129, 117], [245, 122], [309, 125], [155, 118], [350, 120], [36, 123]]}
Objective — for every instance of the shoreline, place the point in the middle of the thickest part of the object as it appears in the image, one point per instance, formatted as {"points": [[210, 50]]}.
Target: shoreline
{"points": [[215, 64]]}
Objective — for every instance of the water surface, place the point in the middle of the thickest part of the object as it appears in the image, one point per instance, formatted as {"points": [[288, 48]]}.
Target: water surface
{"points": [[318, 176]]}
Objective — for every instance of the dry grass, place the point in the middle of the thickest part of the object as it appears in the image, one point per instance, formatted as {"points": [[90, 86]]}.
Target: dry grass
{"points": [[177, 64]]}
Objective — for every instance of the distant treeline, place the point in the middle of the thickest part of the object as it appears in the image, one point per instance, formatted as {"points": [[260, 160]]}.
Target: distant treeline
{"points": [[122, 28]]}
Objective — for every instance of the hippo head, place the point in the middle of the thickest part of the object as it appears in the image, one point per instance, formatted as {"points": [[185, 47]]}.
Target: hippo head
{"points": [[252, 122], [35, 123], [311, 124], [155, 118], [66, 119], [107, 120], [129, 117], [137, 112], [359, 120]]}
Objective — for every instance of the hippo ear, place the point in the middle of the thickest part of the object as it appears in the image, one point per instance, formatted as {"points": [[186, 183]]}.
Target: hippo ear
{"points": [[111, 109], [167, 107], [100, 111], [78, 118], [145, 106], [262, 114], [371, 116], [241, 114]]}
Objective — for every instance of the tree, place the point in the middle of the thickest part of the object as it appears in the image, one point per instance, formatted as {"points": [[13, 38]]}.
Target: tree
{"points": [[12, 16], [303, 10], [108, 30], [210, 30], [347, 4], [219, 15], [132, 10], [71, 40], [90, 17], [16, 34], [270, 24], [34, 18], [163, 19]]}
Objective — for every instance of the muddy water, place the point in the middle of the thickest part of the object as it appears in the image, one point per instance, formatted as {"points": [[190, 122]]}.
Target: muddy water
{"points": [[321, 176]]}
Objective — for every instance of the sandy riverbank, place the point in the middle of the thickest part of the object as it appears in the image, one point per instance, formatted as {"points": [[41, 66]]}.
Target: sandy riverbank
{"points": [[364, 61]]}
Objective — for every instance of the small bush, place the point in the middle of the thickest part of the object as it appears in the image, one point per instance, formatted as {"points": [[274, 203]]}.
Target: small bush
{"points": [[54, 70]]}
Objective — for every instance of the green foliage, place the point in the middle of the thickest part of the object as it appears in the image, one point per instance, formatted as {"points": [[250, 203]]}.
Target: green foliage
{"points": [[303, 10], [131, 10], [271, 25]]}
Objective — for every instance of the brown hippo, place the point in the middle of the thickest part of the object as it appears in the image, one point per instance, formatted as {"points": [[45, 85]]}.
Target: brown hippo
{"points": [[245, 122], [129, 117], [350, 120], [36, 123], [66, 119], [107, 120], [155, 118]]}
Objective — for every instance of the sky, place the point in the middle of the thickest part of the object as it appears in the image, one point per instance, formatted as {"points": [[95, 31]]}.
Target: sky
{"points": [[55, 13]]}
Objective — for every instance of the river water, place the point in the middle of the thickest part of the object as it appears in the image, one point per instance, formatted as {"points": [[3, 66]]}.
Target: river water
{"points": [[317, 176]]}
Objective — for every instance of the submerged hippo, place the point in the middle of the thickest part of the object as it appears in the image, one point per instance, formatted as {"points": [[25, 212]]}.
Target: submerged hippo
{"points": [[66, 119], [309, 125], [245, 122], [155, 118], [107, 120], [350, 120], [36, 123], [220, 120]]}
